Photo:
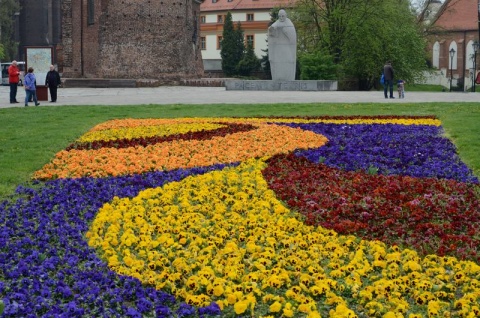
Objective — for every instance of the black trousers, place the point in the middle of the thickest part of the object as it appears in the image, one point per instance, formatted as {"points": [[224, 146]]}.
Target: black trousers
{"points": [[13, 92], [53, 93]]}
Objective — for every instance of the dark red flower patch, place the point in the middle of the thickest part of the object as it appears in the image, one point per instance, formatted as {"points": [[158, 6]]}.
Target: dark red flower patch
{"points": [[432, 216], [196, 135]]}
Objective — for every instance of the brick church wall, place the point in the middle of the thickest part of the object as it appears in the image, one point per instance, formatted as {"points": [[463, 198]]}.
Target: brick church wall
{"points": [[135, 39]]}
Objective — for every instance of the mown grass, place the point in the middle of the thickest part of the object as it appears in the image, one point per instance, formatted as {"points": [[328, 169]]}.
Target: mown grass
{"points": [[29, 137], [424, 88]]}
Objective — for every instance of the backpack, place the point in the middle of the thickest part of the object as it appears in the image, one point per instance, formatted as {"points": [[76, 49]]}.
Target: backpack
{"points": [[382, 79]]}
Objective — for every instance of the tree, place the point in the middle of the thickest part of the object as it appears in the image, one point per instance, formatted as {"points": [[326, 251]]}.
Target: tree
{"points": [[7, 10], [232, 46], [249, 63], [391, 34], [361, 35], [317, 66]]}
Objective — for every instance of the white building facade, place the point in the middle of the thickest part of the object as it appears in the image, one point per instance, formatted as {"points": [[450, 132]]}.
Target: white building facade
{"points": [[254, 17]]}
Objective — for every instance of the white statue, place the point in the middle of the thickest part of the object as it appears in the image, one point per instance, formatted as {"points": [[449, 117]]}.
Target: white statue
{"points": [[282, 48]]}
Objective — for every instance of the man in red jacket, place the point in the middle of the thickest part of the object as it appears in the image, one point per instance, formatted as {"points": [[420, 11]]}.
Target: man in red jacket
{"points": [[13, 78]]}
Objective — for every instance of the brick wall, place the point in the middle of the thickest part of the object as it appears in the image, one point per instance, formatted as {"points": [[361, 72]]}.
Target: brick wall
{"points": [[138, 39]]}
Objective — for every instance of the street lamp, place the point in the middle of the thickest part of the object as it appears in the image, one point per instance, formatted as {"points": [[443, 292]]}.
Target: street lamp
{"points": [[452, 54], [475, 49]]}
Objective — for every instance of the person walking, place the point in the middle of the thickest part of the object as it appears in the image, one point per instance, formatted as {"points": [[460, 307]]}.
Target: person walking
{"points": [[30, 87], [53, 81], [388, 73], [13, 79]]}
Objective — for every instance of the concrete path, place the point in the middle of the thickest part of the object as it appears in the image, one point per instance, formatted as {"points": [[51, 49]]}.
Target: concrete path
{"points": [[219, 95]]}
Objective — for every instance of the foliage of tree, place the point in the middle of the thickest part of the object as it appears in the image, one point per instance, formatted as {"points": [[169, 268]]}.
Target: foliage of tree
{"points": [[317, 66], [249, 63], [361, 35], [7, 24], [232, 46]]}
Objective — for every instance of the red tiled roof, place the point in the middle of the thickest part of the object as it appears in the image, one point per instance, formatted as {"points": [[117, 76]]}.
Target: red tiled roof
{"points": [[225, 5], [458, 15]]}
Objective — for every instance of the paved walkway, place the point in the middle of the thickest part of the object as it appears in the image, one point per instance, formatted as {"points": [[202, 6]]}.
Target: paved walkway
{"points": [[219, 95]]}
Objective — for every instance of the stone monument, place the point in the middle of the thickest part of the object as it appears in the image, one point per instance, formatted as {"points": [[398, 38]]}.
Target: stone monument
{"points": [[282, 55], [282, 48]]}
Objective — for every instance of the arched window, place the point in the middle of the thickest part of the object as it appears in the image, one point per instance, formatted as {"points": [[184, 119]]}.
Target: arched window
{"points": [[452, 62], [436, 55], [470, 55]]}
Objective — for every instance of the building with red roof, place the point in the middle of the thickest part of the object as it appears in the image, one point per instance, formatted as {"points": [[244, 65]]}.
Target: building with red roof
{"points": [[452, 33]]}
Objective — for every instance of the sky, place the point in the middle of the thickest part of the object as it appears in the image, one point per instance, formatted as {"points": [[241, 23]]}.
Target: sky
{"points": [[419, 3]]}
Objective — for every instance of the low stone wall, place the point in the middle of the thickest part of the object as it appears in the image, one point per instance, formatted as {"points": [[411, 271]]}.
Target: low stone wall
{"points": [[204, 82], [261, 85], [105, 82], [98, 82]]}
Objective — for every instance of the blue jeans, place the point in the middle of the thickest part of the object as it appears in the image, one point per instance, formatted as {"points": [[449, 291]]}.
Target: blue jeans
{"points": [[388, 83], [33, 94]]}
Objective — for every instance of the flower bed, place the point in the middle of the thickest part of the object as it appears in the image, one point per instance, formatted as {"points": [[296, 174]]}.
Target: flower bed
{"points": [[278, 217]]}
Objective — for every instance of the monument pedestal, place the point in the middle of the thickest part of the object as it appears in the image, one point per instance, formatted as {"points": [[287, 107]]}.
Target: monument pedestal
{"points": [[261, 85]]}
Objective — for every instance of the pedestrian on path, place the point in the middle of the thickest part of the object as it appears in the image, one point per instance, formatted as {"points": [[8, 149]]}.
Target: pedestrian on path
{"points": [[53, 81], [388, 73], [13, 79], [30, 87]]}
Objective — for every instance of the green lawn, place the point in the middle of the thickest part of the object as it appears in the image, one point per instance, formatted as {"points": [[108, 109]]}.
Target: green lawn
{"points": [[29, 137], [424, 88]]}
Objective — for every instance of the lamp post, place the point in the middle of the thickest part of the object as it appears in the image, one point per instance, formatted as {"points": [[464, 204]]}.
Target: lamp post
{"points": [[452, 54], [475, 49]]}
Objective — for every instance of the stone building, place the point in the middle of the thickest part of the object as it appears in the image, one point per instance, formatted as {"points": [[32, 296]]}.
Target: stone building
{"points": [[131, 39], [38, 24]]}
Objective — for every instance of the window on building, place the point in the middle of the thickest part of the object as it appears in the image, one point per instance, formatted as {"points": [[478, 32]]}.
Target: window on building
{"points": [[203, 19], [250, 40], [214, 1], [203, 43], [249, 16], [220, 18], [90, 12], [436, 55], [219, 42], [452, 60]]}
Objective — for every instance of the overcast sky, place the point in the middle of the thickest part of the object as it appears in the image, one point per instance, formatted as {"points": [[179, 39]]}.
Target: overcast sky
{"points": [[419, 3]]}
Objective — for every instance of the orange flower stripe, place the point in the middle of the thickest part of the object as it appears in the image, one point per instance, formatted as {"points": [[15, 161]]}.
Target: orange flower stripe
{"points": [[266, 140]]}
